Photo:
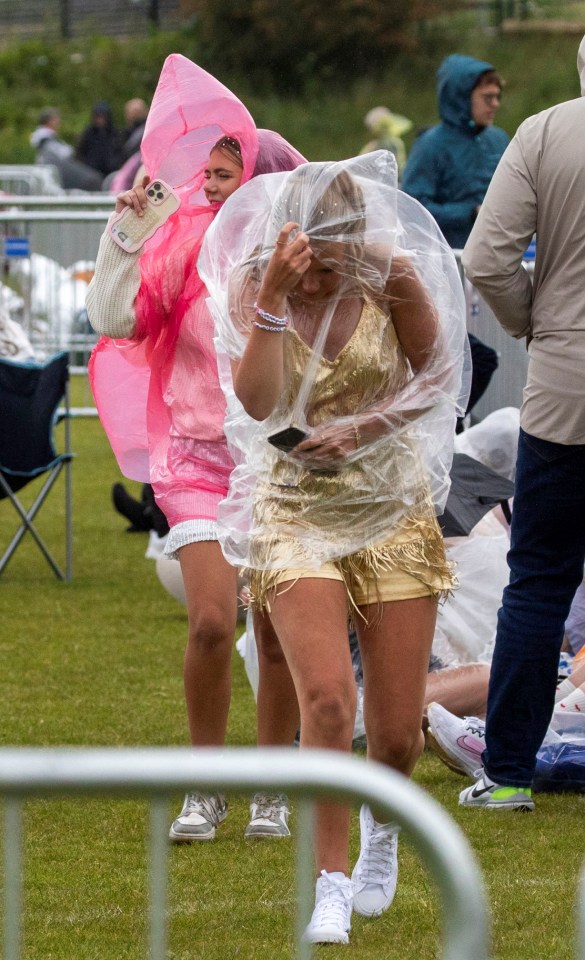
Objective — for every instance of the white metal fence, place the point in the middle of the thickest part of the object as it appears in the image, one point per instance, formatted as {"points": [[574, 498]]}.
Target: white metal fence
{"points": [[34, 179], [157, 773], [48, 246], [506, 386]]}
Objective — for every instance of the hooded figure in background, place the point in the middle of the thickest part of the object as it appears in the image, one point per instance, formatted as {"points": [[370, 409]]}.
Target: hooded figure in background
{"points": [[450, 166], [100, 144], [387, 129]]}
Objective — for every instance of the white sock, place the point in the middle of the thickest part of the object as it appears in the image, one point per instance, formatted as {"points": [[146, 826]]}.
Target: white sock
{"points": [[564, 688], [574, 703]]}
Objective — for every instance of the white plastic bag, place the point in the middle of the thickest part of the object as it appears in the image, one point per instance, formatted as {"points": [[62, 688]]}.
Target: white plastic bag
{"points": [[466, 622]]}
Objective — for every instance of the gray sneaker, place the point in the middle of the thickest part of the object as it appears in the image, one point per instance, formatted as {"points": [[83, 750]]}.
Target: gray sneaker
{"points": [[199, 818], [268, 816]]}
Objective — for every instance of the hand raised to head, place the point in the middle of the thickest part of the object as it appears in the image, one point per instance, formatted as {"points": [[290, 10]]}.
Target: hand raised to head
{"points": [[289, 261]]}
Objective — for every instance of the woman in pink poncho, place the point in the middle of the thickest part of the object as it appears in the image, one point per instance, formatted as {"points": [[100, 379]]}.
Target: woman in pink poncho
{"points": [[155, 380]]}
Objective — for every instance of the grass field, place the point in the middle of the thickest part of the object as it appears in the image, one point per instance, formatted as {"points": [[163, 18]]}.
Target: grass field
{"points": [[98, 662]]}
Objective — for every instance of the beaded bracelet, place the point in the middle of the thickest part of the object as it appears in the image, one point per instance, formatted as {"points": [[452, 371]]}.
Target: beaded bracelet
{"points": [[265, 326], [270, 318]]}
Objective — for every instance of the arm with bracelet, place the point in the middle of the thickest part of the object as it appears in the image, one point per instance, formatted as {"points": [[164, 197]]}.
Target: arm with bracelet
{"points": [[258, 376]]}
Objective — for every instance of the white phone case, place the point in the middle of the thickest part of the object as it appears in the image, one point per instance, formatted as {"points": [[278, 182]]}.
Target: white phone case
{"points": [[130, 231]]}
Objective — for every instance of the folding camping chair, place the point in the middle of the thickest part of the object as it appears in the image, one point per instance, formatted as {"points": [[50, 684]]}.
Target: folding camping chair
{"points": [[30, 397]]}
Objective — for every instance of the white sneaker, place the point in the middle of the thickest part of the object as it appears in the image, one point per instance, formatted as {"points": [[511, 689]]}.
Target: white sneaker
{"points": [[331, 920], [375, 874], [198, 819], [268, 816], [459, 743]]}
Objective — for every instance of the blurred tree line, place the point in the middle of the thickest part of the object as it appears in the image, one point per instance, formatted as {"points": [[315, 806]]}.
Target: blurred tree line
{"points": [[289, 43], [321, 108]]}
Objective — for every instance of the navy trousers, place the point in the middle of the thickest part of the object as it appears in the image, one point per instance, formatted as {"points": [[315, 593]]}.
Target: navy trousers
{"points": [[546, 557]]}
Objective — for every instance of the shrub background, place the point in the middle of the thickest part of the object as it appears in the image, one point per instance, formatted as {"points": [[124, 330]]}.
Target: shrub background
{"points": [[323, 117]]}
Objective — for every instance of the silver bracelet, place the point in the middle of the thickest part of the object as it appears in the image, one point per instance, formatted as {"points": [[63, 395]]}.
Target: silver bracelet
{"points": [[264, 326], [270, 318]]}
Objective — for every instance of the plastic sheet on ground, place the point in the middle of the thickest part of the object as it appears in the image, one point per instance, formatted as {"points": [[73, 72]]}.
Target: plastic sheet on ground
{"points": [[560, 763]]}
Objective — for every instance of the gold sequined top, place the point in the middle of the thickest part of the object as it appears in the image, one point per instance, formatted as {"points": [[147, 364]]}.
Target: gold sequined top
{"points": [[376, 506]]}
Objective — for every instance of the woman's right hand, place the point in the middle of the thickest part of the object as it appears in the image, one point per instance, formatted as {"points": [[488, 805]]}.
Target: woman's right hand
{"points": [[134, 198], [290, 260]]}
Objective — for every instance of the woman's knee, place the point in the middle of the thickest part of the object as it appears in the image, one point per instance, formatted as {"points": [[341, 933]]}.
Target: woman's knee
{"points": [[211, 627], [329, 709], [399, 747]]}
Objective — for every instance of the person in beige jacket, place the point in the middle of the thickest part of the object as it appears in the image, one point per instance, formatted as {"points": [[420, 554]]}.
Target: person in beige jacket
{"points": [[538, 187]]}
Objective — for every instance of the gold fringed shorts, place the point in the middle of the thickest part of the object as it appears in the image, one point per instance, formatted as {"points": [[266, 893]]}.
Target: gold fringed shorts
{"points": [[402, 568]]}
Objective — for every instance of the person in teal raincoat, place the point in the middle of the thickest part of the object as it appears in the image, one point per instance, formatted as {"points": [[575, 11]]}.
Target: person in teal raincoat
{"points": [[450, 165]]}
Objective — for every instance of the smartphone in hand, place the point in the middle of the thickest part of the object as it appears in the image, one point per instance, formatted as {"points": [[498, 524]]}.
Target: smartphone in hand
{"points": [[130, 231], [288, 438]]}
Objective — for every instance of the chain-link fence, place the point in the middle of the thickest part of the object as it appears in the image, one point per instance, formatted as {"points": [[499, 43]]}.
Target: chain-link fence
{"points": [[61, 19]]}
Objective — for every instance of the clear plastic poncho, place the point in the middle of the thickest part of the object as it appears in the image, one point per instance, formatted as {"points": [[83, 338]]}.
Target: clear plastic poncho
{"points": [[344, 367]]}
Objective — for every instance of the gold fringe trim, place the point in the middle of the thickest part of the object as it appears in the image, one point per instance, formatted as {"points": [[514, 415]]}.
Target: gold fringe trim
{"points": [[423, 558]]}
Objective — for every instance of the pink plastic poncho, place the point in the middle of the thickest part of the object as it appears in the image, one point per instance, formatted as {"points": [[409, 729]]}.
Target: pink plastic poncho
{"points": [[158, 395]]}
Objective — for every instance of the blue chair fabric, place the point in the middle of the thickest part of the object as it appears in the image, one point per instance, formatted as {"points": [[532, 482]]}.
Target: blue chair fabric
{"points": [[30, 396]]}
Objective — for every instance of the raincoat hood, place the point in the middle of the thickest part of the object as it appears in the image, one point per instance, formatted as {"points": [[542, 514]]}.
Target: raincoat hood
{"points": [[581, 65], [456, 78], [190, 111], [102, 109], [382, 122]]}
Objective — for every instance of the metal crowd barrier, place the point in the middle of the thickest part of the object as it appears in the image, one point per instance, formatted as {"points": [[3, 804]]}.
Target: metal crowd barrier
{"points": [[30, 179], [48, 246], [507, 384], [157, 773]]}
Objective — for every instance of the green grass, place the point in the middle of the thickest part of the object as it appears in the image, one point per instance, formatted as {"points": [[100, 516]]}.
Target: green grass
{"points": [[98, 662]]}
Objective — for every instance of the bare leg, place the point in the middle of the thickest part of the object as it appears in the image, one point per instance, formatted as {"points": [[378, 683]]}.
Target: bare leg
{"points": [[394, 695], [310, 619], [395, 643], [277, 709], [460, 690], [210, 587], [578, 675]]}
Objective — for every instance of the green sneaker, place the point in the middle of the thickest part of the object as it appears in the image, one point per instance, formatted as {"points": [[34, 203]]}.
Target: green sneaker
{"points": [[485, 793]]}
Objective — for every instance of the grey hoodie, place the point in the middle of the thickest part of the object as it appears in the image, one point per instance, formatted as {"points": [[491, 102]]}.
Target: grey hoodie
{"points": [[50, 149], [539, 187]]}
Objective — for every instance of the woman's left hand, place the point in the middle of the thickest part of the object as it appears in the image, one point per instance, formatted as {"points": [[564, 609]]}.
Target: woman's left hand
{"points": [[328, 447]]}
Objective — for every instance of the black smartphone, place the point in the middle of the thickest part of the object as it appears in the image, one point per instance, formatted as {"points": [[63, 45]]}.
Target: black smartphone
{"points": [[288, 438]]}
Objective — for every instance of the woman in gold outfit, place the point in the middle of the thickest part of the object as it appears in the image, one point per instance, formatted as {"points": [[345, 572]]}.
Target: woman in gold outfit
{"points": [[340, 308]]}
